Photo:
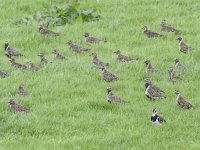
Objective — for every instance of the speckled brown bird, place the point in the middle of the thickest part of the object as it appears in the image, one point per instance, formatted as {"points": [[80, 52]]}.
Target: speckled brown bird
{"points": [[31, 66], [9, 52], [167, 27], [150, 34], [92, 40], [124, 58], [178, 64], [97, 62], [181, 102], [182, 46], [153, 93], [14, 107], [154, 87], [112, 98], [17, 65], [107, 76], [58, 56], [172, 75], [3, 74], [47, 32], [21, 91], [149, 68], [76, 48], [43, 59]]}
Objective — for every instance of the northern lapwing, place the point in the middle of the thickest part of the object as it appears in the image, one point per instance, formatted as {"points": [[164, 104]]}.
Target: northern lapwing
{"points": [[43, 58], [97, 62], [150, 34], [21, 91], [58, 56], [112, 98], [47, 32], [76, 48], [17, 65], [181, 102], [107, 76], [92, 40], [172, 75], [3, 74], [124, 58], [167, 27], [155, 118], [31, 66], [149, 68], [153, 93], [182, 46], [9, 52], [178, 64], [14, 107]]}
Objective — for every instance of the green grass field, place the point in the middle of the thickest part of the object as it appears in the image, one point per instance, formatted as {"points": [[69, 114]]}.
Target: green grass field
{"points": [[68, 102]]}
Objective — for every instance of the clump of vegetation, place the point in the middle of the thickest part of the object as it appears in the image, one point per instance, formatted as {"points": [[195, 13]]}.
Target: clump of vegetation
{"points": [[60, 15]]}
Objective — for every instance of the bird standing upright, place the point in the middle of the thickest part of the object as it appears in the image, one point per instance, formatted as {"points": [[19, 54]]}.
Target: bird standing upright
{"points": [[112, 98], [181, 102], [182, 46], [107, 76], [155, 118]]}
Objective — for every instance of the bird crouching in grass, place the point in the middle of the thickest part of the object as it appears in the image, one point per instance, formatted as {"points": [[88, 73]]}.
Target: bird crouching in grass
{"points": [[3, 74], [43, 59], [107, 76], [97, 62], [181, 101], [155, 118], [9, 52], [167, 27], [152, 92], [76, 48], [112, 98], [182, 46], [21, 91], [124, 58], [17, 65], [178, 64], [92, 40], [47, 32], [149, 68], [14, 107], [58, 56], [172, 75], [150, 34], [31, 66]]}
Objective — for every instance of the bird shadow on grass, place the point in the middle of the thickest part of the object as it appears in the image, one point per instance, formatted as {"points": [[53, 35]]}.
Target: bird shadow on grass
{"points": [[101, 106]]}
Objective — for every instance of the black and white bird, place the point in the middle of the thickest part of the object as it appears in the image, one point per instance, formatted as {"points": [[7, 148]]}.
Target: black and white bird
{"points": [[112, 98], [152, 92], [76, 48], [124, 58], [167, 27], [182, 46], [97, 62], [108, 76], [155, 118], [3, 74], [47, 32], [150, 34], [9, 52], [181, 101], [149, 68], [92, 40]]}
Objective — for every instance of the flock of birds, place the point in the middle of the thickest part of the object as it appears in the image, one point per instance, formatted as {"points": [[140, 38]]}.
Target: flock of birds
{"points": [[151, 91]]}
